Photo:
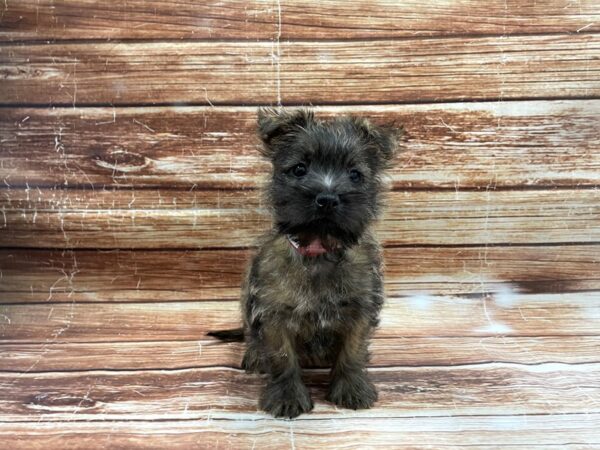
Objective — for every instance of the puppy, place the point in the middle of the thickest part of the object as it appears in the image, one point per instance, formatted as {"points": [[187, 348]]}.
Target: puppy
{"points": [[314, 289]]}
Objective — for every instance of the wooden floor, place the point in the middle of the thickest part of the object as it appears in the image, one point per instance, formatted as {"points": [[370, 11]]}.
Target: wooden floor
{"points": [[129, 199]]}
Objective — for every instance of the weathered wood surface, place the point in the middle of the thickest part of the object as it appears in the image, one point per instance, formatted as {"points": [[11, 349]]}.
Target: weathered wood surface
{"points": [[35, 276], [514, 431], [302, 72], [215, 219], [385, 351], [288, 19], [218, 392], [124, 227], [504, 313], [455, 146]]}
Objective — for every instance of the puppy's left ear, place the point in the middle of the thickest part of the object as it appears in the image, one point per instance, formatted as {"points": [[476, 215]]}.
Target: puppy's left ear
{"points": [[384, 138]]}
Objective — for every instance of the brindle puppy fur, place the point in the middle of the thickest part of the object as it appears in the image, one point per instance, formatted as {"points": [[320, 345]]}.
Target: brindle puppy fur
{"points": [[298, 309]]}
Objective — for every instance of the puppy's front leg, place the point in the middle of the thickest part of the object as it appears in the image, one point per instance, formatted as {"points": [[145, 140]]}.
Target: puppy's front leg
{"points": [[350, 387], [284, 395]]}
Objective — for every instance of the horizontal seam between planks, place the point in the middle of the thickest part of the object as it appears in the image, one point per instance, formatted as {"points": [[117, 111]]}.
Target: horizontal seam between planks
{"points": [[306, 369], [296, 104], [588, 186], [204, 106], [312, 370], [308, 418], [207, 341], [436, 336], [239, 248]]}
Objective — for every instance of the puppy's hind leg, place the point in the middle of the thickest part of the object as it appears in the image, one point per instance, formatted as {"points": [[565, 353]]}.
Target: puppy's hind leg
{"points": [[253, 361], [284, 394]]}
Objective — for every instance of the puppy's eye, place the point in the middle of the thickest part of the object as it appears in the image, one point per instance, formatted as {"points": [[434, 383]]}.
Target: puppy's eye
{"points": [[355, 176], [299, 170]]}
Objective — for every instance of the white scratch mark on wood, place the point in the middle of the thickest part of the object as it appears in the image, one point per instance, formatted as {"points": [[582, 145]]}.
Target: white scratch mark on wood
{"points": [[132, 201], [58, 146], [485, 311], [144, 125], [84, 398], [292, 439], [206, 96], [492, 327], [51, 290], [4, 10], [522, 316], [276, 53], [5, 317], [74, 84], [585, 27], [447, 126], [114, 119]]}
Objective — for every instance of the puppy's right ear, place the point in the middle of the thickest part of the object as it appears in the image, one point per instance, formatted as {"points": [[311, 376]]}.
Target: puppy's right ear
{"points": [[276, 123]]}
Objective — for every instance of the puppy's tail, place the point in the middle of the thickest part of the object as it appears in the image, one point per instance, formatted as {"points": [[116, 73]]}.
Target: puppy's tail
{"points": [[234, 335]]}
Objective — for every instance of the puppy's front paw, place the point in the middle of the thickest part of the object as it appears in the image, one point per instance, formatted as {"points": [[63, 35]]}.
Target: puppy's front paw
{"points": [[352, 390], [288, 399]]}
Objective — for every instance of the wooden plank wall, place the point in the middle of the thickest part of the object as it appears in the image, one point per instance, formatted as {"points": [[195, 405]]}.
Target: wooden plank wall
{"points": [[130, 199]]}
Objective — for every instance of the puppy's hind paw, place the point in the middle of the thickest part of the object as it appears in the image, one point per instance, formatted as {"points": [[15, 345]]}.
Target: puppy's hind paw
{"points": [[352, 391]]}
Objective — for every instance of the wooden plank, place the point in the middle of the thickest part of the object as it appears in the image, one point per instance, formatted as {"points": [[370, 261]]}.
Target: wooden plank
{"points": [[390, 351], [215, 219], [302, 72], [115, 275], [448, 145], [215, 392], [288, 19], [503, 314], [109, 276], [532, 432]]}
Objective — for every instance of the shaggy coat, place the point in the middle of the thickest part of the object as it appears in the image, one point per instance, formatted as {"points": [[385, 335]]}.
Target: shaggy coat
{"points": [[314, 289]]}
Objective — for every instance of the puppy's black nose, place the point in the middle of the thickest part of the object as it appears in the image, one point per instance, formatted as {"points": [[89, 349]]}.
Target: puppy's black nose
{"points": [[327, 201]]}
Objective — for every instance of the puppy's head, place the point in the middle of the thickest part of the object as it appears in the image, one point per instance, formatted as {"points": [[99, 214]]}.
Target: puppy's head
{"points": [[326, 181]]}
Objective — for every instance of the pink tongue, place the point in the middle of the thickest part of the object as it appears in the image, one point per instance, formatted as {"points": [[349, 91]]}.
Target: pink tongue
{"points": [[314, 248]]}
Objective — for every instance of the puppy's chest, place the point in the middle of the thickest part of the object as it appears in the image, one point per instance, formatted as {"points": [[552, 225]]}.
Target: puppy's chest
{"points": [[312, 300]]}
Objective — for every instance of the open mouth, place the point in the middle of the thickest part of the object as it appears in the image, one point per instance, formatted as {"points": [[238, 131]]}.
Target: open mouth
{"points": [[312, 245]]}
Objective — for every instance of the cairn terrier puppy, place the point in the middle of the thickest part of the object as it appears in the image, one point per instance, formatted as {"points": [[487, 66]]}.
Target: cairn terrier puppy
{"points": [[314, 289]]}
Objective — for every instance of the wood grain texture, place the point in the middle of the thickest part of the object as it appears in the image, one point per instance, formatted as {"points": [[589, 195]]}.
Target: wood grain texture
{"points": [[125, 225], [215, 219], [453, 146], [523, 432], [386, 351], [34, 276], [302, 72], [503, 314], [288, 19], [218, 392]]}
